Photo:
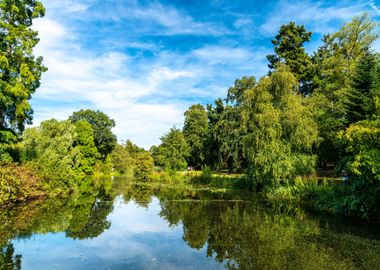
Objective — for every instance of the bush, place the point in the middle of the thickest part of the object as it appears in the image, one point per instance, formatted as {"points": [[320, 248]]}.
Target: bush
{"points": [[18, 183], [362, 144]]}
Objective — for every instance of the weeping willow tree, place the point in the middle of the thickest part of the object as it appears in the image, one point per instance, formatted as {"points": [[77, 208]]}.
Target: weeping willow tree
{"points": [[280, 131]]}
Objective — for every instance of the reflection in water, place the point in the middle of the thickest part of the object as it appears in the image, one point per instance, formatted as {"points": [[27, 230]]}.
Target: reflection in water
{"points": [[120, 224], [8, 261]]}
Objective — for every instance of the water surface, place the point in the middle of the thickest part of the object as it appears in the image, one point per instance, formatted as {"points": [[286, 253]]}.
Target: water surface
{"points": [[123, 225]]}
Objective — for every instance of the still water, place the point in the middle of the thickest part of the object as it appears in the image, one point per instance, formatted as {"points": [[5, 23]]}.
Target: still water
{"points": [[120, 224]]}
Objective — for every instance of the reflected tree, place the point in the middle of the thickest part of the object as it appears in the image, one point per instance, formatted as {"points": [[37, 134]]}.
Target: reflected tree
{"points": [[95, 222], [9, 261], [245, 235]]}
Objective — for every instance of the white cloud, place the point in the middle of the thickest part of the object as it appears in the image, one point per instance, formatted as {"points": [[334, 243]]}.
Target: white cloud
{"points": [[146, 96], [176, 22], [167, 19], [222, 55], [316, 14], [102, 82], [375, 8]]}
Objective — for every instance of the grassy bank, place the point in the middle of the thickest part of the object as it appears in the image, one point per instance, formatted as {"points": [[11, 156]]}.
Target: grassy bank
{"points": [[329, 195]]}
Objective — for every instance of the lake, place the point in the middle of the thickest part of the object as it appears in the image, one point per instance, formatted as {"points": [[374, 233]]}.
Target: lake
{"points": [[121, 224]]}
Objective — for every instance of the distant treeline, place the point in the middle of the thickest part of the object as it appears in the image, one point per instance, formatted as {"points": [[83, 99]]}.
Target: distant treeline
{"points": [[309, 111]]}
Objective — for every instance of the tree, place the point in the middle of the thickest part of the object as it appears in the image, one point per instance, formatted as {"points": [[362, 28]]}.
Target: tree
{"points": [[364, 91], [279, 131], [228, 129], [173, 151], [235, 94], [84, 142], [105, 140], [229, 134], [8, 259], [289, 50], [50, 149], [20, 70], [121, 159], [335, 64], [223, 145], [195, 130], [143, 165], [361, 142], [212, 145], [132, 148]]}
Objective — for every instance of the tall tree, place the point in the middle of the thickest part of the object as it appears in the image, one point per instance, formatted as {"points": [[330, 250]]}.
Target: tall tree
{"points": [[20, 70], [121, 159], [235, 94], [173, 151], [289, 50], [195, 130], [364, 91], [335, 64], [212, 144], [84, 142], [102, 125], [280, 131]]}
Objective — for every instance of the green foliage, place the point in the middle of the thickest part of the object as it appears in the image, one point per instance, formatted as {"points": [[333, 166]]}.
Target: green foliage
{"points": [[10, 148], [195, 130], [289, 50], [335, 67], [101, 124], [132, 148], [121, 159], [212, 143], [143, 167], [280, 131], [228, 134], [224, 141], [50, 149], [362, 150], [104, 167], [84, 143], [173, 151], [364, 91], [235, 94], [8, 259], [20, 70], [18, 183]]}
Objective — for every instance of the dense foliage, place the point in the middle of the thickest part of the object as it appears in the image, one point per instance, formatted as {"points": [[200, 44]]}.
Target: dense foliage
{"points": [[20, 70], [310, 111], [173, 151], [195, 131], [50, 149], [280, 131], [101, 124]]}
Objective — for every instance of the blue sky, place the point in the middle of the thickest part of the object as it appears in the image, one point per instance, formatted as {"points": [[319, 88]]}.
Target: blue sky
{"points": [[145, 62]]}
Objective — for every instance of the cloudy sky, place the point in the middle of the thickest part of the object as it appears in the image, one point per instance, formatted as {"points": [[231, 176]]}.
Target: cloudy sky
{"points": [[144, 62]]}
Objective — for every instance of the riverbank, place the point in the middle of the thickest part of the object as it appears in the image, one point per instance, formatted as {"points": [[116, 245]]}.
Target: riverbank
{"points": [[22, 183], [321, 194]]}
